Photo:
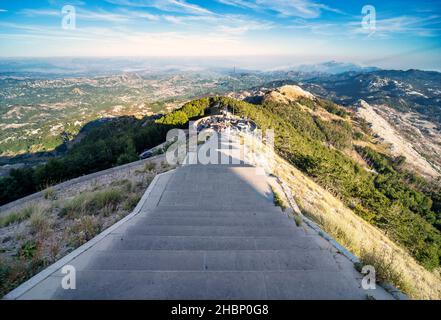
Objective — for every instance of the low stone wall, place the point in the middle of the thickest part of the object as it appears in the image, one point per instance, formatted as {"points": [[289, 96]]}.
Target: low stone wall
{"points": [[77, 184]]}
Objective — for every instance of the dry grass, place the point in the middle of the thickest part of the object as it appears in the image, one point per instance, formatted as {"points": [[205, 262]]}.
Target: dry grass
{"points": [[20, 216], [150, 166], [50, 194], [298, 220], [40, 223], [82, 230], [43, 231], [392, 263], [131, 202], [278, 201], [92, 203]]}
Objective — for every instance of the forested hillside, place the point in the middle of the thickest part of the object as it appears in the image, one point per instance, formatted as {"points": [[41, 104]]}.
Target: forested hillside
{"points": [[403, 205], [114, 143]]}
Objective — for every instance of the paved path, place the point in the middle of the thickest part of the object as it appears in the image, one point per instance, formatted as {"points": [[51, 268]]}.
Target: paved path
{"points": [[209, 232]]}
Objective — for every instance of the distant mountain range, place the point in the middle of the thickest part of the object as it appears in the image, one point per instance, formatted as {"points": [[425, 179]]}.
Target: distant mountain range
{"points": [[75, 67], [45, 102], [411, 90], [333, 67]]}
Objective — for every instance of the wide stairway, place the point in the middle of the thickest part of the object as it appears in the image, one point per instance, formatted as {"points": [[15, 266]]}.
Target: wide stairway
{"points": [[208, 232]]}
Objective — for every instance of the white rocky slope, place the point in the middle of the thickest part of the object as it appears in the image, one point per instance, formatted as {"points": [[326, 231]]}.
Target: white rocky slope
{"points": [[399, 143]]}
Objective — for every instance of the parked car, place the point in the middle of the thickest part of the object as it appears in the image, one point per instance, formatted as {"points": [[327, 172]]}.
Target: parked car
{"points": [[145, 155]]}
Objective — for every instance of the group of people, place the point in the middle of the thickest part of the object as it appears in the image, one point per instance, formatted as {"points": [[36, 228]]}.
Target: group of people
{"points": [[221, 124]]}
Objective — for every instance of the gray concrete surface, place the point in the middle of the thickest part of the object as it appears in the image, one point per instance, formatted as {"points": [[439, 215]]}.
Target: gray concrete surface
{"points": [[209, 232]]}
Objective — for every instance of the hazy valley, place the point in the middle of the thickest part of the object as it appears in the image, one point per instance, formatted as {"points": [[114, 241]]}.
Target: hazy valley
{"points": [[40, 114]]}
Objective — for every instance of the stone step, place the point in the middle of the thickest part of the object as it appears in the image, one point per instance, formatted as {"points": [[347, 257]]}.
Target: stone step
{"points": [[140, 242], [211, 205], [180, 260], [211, 199], [217, 222], [196, 213], [187, 285], [215, 167], [224, 231]]}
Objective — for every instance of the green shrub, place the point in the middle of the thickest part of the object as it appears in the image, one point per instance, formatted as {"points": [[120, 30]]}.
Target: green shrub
{"points": [[5, 275], [17, 217], [28, 250], [331, 107], [90, 203], [83, 230], [39, 223], [125, 186], [298, 220], [176, 118], [385, 271], [49, 194], [337, 133], [131, 202], [150, 166], [278, 201]]}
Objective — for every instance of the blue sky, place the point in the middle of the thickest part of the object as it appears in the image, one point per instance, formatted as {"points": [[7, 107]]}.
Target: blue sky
{"points": [[406, 35]]}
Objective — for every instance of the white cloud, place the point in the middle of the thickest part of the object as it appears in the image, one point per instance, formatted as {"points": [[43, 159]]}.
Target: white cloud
{"points": [[228, 24], [40, 12], [217, 40], [238, 25], [173, 19], [98, 15], [427, 26], [140, 15], [288, 8], [164, 5], [105, 42], [232, 24], [64, 2], [101, 16]]}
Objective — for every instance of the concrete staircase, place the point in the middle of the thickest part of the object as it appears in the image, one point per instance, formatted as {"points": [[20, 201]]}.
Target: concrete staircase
{"points": [[209, 232]]}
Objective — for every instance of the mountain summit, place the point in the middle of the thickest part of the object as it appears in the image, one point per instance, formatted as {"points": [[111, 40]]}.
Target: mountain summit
{"points": [[287, 94]]}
